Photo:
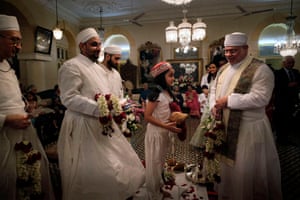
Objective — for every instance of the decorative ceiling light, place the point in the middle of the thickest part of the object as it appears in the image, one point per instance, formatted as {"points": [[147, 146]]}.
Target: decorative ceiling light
{"points": [[101, 28], [185, 32], [291, 45], [177, 2], [57, 32]]}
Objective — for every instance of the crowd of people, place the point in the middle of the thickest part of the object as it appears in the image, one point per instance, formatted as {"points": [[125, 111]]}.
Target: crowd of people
{"points": [[96, 161]]}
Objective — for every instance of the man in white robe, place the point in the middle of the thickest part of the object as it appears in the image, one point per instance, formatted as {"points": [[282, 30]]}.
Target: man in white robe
{"points": [[252, 170], [112, 56], [15, 123], [93, 165]]}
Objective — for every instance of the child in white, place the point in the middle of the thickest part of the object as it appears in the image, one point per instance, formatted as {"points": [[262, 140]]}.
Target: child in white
{"points": [[203, 98], [157, 138]]}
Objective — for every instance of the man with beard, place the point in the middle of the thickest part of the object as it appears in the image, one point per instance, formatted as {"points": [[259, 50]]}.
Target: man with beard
{"points": [[16, 130], [92, 161], [112, 57]]}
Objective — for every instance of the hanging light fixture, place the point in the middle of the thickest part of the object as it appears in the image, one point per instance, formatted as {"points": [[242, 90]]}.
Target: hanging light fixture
{"points": [[57, 32], [101, 28], [185, 32], [177, 2], [291, 45]]}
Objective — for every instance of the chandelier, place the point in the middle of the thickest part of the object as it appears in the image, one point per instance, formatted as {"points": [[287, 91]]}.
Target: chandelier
{"points": [[57, 32], [291, 45], [185, 32], [177, 2]]}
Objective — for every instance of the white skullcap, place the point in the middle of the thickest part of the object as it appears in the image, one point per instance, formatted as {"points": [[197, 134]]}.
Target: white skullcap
{"points": [[235, 39], [85, 35], [113, 49], [9, 23]]}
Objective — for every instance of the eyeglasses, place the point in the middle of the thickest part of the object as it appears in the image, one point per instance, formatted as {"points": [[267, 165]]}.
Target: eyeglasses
{"points": [[15, 41]]}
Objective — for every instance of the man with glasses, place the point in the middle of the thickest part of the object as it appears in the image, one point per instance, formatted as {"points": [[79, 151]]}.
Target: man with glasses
{"points": [[16, 127], [250, 167], [112, 57], [93, 165]]}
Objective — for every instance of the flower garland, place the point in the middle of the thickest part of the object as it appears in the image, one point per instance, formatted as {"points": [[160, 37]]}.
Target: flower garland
{"points": [[28, 171], [133, 118], [109, 108], [215, 137]]}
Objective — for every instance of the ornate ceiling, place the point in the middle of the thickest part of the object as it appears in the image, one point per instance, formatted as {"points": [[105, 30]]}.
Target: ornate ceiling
{"points": [[122, 12]]}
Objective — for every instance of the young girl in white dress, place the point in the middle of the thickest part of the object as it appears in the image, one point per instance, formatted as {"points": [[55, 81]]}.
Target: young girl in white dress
{"points": [[157, 137]]}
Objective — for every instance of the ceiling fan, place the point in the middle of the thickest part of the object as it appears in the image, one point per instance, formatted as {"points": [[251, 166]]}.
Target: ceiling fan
{"points": [[247, 13], [134, 19]]}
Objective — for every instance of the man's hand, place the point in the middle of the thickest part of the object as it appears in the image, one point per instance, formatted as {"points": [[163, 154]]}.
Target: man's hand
{"points": [[18, 121], [221, 103]]}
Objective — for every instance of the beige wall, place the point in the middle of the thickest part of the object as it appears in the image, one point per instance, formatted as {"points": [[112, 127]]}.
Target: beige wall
{"points": [[41, 70]]}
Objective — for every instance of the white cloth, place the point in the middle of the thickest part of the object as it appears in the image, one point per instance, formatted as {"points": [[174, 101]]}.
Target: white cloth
{"points": [[235, 39], [204, 80], [256, 171], [203, 100], [93, 166], [85, 35], [113, 49], [157, 143], [114, 79], [11, 103], [9, 23]]}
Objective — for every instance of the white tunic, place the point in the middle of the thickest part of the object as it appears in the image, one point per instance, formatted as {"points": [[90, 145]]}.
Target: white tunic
{"points": [[113, 77], [11, 103], [256, 171], [93, 166]]}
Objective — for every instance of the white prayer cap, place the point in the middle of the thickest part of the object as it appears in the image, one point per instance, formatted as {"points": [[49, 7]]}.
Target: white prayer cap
{"points": [[85, 35], [235, 39], [9, 23], [113, 49]]}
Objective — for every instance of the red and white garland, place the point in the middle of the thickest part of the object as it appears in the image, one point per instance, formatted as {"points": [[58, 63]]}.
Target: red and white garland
{"points": [[109, 109], [28, 162]]}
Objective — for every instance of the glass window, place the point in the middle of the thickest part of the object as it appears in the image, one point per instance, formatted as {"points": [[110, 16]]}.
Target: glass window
{"points": [[269, 37], [119, 40]]}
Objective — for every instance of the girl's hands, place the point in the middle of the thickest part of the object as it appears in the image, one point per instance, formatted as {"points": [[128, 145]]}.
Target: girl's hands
{"points": [[171, 126]]}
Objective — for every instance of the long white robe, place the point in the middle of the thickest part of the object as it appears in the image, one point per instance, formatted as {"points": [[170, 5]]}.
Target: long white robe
{"points": [[93, 166], [256, 170], [113, 77], [11, 103]]}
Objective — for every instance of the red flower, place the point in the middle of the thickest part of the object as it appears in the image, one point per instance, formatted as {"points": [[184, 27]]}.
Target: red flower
{"points": [[97, 96], [107, 97], [23, 147], [105, 119], [119, 118]]}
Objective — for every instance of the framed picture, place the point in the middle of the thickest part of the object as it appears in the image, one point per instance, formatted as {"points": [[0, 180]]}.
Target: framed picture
{"points": [[188, 68], [43, 40]]}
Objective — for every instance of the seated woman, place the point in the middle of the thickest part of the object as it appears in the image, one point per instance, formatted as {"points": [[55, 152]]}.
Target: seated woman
{"points": [[191, 101]]}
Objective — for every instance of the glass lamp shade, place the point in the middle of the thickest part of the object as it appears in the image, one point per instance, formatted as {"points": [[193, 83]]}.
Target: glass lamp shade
{"points": [[184, 32], [199, 30], [288, 52], [171, 33], [58, 33], [177, 2]]}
